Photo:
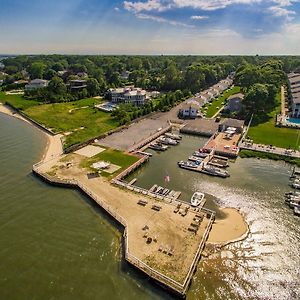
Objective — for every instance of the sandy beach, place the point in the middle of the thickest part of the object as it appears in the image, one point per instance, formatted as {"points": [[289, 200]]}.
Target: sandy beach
{"points": [[54, 145], [232, 228]]}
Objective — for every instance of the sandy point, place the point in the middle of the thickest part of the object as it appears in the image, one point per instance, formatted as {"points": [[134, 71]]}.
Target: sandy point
{"points": [[230, 229]]}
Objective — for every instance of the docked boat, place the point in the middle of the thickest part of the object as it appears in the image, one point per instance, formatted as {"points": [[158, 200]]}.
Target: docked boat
{"points": [[200, 154], [293, 193], [195, 158], [158, 147], [173, 136], [168, 141], [197, 198], [215, 171], [187, 164], [293, 204], [292, 197], [297, 210], [296, 185]]}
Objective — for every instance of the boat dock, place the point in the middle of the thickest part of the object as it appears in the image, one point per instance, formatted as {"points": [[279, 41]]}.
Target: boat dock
{"points": [[210, 159], [159, 190], [133, 181]]}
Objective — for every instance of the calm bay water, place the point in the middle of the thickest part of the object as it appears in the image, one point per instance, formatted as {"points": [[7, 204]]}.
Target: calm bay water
{"points": [[55, 244], [266, 265]]}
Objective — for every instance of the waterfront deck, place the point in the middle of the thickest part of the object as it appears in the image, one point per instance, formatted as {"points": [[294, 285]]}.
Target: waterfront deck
{"points": [[163, 243], [223, 145]]}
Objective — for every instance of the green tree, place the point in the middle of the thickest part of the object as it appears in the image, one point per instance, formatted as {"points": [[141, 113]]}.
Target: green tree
{"points": [[92, 87], [36, 70]]}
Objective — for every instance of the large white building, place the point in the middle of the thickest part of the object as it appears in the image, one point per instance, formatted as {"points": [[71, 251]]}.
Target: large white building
{"points": [[132, 95], [294, 89], [36, 84]]}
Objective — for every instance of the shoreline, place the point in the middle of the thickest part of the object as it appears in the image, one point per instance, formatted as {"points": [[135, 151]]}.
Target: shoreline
{"points": [[53, 148], [169, 228]]}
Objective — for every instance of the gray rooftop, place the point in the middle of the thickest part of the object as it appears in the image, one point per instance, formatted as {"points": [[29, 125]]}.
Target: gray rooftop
{"points": [[238, 95]]}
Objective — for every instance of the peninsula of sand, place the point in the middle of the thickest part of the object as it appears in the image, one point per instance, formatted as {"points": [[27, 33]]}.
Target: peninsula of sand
{"points": [[158, 239]]}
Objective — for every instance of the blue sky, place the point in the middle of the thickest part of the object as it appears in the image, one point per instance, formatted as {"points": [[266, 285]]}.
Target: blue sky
{"points": [[150, 26]]}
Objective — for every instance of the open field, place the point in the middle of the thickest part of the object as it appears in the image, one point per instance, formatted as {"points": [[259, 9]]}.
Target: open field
{"points": [[17, 101], [267, 133], [115, 157], [216, 104], [79, 119]]}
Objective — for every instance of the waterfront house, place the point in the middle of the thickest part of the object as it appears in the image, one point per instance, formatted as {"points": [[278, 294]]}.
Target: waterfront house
{"points": [[36, 84], [188, 110], [234, 103], [133, 95]]}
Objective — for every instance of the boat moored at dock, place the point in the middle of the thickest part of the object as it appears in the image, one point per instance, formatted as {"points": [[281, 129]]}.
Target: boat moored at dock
{"points": [[214, 171], [158, 147], [173, 136], [187, 164], [168, 141]]}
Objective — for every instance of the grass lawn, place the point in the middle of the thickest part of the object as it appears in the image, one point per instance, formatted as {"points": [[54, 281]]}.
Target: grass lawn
{"points": [[71, 117], [66, 117], [17, 101], [264, 155], [216, 104], [115, 157], [266, 133]]}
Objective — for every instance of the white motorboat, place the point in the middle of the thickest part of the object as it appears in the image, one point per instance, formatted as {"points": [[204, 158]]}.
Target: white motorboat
{"points": [[173, 136], [197, 198]]}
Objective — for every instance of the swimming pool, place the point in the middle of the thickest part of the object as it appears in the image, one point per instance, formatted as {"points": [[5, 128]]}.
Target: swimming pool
{"points": [[293, 120]]}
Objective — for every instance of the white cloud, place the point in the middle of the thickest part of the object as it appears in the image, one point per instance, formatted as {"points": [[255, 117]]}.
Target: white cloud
{"points": [[116, 9], [281, 12], [162, 20], [199, 17], [162, 5], [149, 5]]}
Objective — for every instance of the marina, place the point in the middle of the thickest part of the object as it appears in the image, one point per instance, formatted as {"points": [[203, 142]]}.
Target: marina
{"points": [[99, 238], [293, 198]]}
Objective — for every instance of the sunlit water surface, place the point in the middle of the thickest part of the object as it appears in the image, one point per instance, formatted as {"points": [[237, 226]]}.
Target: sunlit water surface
{"points": [[56, 244]]}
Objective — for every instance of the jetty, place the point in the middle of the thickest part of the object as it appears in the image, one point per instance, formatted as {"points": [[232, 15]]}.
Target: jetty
{"points": [[159, 241]]}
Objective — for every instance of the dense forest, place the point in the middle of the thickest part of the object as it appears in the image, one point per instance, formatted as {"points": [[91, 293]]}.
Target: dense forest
{"points": [[175, 76]]}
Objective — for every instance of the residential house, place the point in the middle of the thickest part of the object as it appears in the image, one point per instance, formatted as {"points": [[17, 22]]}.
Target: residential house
{"points": [[188, 110], [36, 84], [132, 95], [125, 75], [234, 103], [77, 84]]}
